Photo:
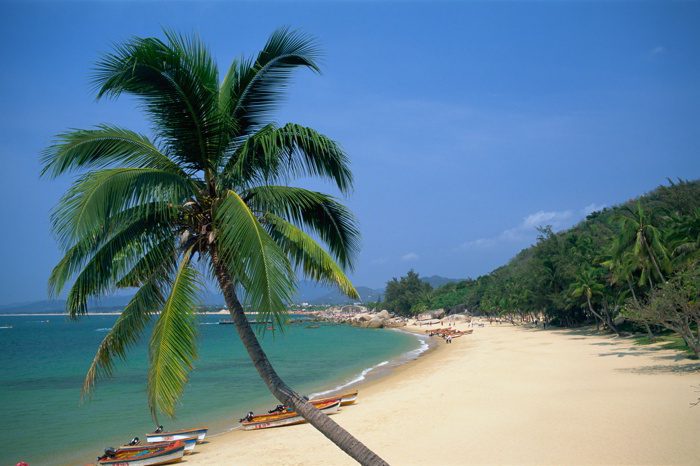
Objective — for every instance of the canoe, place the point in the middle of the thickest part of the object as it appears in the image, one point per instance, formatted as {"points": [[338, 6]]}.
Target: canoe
{"points": [[189, 442], [267, 421], [345, 398], [172, 453], [199, 432]]}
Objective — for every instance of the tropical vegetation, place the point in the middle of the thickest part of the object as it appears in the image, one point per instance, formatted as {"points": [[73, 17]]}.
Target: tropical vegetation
{"points": [[625, 268], [205, 197]]}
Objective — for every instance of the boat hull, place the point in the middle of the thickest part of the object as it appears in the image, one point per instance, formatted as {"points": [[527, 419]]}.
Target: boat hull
{"points": [[345, 398], [189, 442], [287, 419], [166, 455], [178, 435]]}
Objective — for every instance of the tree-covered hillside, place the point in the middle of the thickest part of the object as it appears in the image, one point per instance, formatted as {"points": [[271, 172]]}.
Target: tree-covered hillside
{"points": [[619, 262]]}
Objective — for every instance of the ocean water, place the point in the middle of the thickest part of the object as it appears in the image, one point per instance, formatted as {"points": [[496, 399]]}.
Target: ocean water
{"points": [[43, 360]]}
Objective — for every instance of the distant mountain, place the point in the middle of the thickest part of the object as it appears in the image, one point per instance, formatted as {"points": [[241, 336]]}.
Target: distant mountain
{"points": [[437, 281], [307, 292], [111, 303], [334, 296]]}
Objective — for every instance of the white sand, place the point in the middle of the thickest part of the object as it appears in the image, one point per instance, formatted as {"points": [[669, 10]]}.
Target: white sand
{"points": [[505, 395]]}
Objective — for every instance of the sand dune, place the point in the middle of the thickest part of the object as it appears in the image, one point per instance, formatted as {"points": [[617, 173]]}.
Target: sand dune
{"points": [[506, 395]]}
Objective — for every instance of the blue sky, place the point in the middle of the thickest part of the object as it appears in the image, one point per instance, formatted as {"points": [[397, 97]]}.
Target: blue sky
{"points": [[468, 124]]}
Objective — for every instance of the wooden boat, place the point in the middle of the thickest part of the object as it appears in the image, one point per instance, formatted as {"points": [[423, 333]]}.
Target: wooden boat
{"points": [[189, 442], [171, 453], [345, 398], [200, 433], [266, 421]]}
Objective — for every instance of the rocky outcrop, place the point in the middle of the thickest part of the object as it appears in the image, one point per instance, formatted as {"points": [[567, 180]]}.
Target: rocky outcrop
{"points": [[384, 315], [353, 308], [381, 319], [457, 318], [434, 314], [375, 322]]}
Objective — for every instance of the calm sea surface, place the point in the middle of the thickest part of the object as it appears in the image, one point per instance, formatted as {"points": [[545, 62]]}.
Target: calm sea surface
{"points": [[43, 361]]}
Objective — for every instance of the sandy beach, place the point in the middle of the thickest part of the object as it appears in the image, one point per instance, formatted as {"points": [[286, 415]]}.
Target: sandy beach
{"points": [[506, 395]]}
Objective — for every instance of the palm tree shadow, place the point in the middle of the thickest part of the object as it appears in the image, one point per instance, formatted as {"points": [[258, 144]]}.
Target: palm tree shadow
{"points": [[664, 369]]}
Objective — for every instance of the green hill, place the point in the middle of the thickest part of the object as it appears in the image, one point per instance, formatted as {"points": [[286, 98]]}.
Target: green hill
{"points": [[543, 278]]}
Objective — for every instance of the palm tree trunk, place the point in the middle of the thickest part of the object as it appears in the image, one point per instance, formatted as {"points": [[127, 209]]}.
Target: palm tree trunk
{"points": [[634, 297], [653, 258], [590, 307], [346, 442]]}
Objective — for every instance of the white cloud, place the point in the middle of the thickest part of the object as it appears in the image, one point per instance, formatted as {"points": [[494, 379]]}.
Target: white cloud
{"points": [[658, 50], [409, 256], [526, 230], [540, 218], [593, 207]]}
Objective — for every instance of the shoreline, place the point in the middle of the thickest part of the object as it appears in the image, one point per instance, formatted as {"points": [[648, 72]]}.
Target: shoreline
{"points": [[505, 395]]}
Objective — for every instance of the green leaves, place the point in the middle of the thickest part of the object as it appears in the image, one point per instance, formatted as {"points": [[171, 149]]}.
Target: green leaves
{"points": [[99, 197], [173, 345], [101, 147], [253, 88], [262, 267], [319, 212], [275, 153], [308, 256], [177, 81], [124, 333]]}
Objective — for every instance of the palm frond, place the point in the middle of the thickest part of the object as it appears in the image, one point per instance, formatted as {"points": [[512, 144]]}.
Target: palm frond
{"points": [[160, 254], [321, 213], [264, 270], [124, 333], [173, 345], [105, 270], [308, 256], [102, 147], [255, 88], [290, 151], [155, 217], [101, 195], [177, 82]]}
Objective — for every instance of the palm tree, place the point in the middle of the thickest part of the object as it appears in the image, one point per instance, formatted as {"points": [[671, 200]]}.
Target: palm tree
{"points": [[684, 237], [588, 285], [208, 195], [645, 241], [622, 265]]}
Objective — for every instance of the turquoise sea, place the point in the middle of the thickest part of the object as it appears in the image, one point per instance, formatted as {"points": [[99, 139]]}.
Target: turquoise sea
{"points": [[43, 360]]}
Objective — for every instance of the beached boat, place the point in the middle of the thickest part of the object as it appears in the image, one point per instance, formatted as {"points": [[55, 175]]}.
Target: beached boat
{"points": [[171, 453], [161, 436], [345, 398], [189, 442], [266, 421]]}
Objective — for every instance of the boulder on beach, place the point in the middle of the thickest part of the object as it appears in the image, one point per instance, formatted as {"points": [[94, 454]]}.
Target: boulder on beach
{"points": [[395, 322], [375, 322], [429, 315], [363, 317], [456, 318], [619, 320], [384, 314], [353, 308]]}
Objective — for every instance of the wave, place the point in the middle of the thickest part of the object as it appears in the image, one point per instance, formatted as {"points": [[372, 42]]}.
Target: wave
{"points": [[357, 379], [6, 326], [208, 323], [105, 329], [424, 346]]}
